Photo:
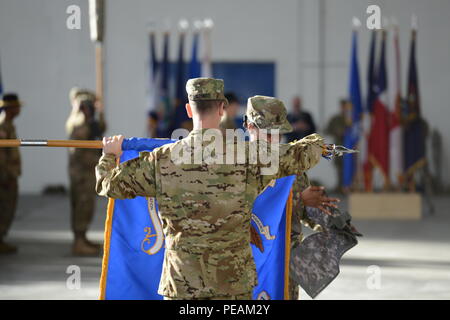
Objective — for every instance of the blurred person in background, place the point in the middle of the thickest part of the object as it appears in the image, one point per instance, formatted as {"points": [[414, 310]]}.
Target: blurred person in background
{"points": [[10, 169], [302, 121], [152, 124], [228, 120], [336, 128], [86, 122]]}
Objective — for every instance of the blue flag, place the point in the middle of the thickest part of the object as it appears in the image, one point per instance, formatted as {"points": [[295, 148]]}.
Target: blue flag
{"points": [[153, 61], [134, 242], [153, 76], [352, 132], [371, 79], [180, 119], [166, 109], [195, 66], [414, 127]]}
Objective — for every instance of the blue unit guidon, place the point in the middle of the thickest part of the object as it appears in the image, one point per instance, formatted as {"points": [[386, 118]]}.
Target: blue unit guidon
{"points": [[134, 241]]}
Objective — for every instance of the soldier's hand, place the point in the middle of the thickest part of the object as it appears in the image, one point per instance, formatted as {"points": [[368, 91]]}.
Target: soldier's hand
{"points": [[113, 145], [314, 197], [328, 150]]}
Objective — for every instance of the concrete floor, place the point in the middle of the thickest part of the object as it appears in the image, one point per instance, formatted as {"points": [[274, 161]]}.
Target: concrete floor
{"points": [[412, 258]]}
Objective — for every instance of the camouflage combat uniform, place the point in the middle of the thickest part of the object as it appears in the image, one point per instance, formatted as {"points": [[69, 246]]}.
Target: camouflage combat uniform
{"points": [[10, 165], [271, 116], [299, 218], [82, 164], [205, 208], [336, 128]]}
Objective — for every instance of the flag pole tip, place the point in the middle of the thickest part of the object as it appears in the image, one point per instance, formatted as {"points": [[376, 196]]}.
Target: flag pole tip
{"points": [[151, 26], [183, 24], [356, 23], [394, 22], [208, 23], [166, 25], [414, 22], [198, 24], [385, 23]]}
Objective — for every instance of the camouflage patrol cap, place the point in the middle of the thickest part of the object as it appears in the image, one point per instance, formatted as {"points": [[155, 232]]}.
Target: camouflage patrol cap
{"points": [[268, 113], [205, 89], [80, 95], [10, 100]]}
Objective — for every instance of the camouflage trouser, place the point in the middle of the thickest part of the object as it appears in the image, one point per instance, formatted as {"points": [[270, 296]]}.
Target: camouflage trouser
{"points": [[293, 290], [82, 200], [8, 203], [244, 296], [339, 164]]}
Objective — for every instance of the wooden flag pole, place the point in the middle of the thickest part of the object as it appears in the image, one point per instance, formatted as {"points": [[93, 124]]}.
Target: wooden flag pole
{"points": [[85, 144], [97, 17], [99, 72]]}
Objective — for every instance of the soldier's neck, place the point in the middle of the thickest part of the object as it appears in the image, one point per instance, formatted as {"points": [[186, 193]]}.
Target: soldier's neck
{"points": [[205, 123]]}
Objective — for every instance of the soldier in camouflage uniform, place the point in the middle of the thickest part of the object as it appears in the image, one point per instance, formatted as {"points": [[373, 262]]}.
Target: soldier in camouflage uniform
{"points": [[85, 122], [205, 208], [271, 114], [336, 128], [10, 165]]}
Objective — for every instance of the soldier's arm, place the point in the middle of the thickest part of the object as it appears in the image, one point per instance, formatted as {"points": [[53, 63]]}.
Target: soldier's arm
{"points": [[301, 183], [3, 157], [76, 127], [3, 163], [298, 205], [299, 156], [100, 115], [101, 122], [130, 179], [293, 159]]}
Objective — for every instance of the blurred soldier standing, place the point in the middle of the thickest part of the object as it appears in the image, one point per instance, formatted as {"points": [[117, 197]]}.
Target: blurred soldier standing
{"points": [[10, 168], [301, 120], [271, 115], [228, 120], [336, 128], [205, 207], [86, 122]]}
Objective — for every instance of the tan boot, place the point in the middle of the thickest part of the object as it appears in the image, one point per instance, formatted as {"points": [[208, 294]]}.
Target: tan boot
{"points": [[6, 248], [82, 248], [99, 246]]}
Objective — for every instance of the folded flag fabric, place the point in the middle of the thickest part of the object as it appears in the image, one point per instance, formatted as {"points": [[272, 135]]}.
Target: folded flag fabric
{"points": [[134, 240]]}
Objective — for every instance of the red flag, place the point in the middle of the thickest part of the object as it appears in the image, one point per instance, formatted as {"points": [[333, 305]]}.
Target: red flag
{"points": [[366, 166], [379, 135], [396, 145]]}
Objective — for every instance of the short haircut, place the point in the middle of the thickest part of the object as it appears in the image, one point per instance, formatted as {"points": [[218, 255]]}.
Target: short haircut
{"points": [[205, 106], [153, 115], [231, 97], [343, 101], [87, 104]]}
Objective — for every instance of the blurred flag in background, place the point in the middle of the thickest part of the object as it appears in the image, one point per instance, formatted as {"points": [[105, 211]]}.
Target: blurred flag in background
{"points": [[379, 135], [353, 131], [415, 129], [396, 138]]}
